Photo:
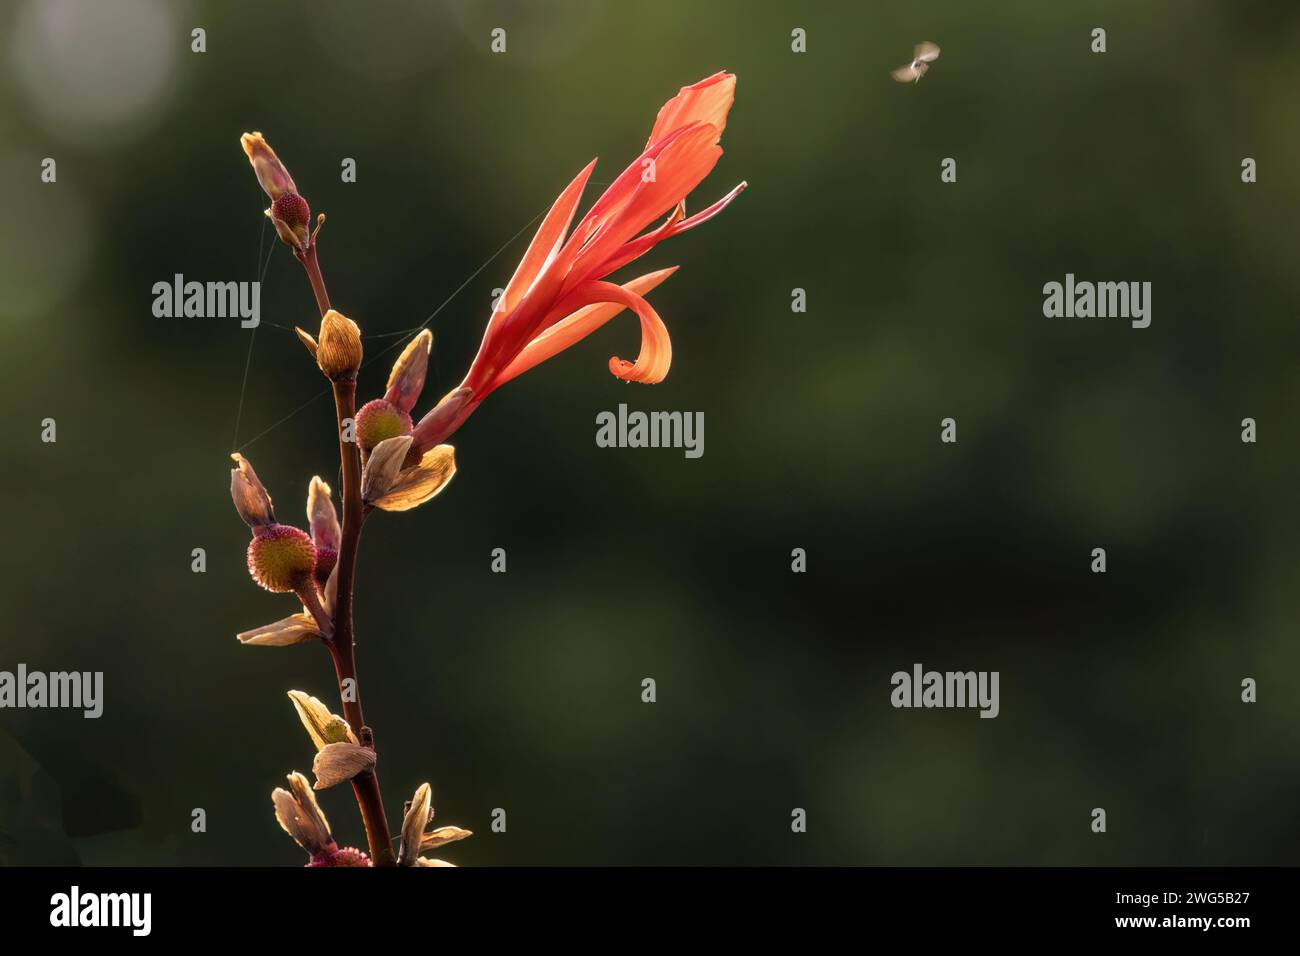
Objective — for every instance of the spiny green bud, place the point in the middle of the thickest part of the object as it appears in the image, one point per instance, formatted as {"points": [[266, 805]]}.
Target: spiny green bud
{"points": [[281, 558], [378, 421]]}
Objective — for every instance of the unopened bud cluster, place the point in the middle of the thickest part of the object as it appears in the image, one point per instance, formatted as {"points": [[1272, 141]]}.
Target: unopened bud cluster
{"points": [[289, 211]]}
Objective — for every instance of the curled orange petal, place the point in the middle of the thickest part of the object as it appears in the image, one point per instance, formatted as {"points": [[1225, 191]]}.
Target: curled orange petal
{"points": [[576, 326], [656, 355]]}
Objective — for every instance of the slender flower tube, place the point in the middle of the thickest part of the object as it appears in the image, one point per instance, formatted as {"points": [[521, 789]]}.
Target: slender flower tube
{"points": [[558, 295]]}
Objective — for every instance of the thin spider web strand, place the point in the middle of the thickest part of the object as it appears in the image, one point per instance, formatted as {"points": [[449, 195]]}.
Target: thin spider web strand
{"points": [[248, 358], [432, 315]]}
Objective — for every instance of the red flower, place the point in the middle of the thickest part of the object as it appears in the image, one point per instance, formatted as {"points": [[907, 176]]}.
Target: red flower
{"points": [[557, 296]]}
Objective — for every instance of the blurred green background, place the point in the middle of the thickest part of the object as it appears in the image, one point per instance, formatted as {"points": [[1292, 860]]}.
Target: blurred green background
{"points": [[522, 690]]}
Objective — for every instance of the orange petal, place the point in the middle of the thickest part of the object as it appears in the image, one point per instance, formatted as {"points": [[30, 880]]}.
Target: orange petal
{"points": [[531, 292], [550, 235], [656, 354], [615, 198], [675, 225], [687, 156], [578, 325], [706, 101]]}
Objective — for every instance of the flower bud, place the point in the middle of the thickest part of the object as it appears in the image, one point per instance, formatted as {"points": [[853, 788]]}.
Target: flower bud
{"points": [[301, 817], [325, 531], [250, 497], [271, 174], [281, 558], [406, 381], [378, 421], [418, 814], [338, 347], [322, 726]]}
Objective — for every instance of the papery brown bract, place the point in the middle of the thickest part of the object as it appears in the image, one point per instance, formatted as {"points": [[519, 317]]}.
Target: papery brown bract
{"points": [[419, 814], [322, 726], [382, 468], [339, 762], [293, 629], [417, 483], [301, 817], [249, 495], [406, 380]]}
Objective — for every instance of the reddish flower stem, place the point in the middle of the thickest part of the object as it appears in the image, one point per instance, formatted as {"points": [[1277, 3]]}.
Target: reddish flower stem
{"points": [[311, 602], [366, 785], [312, 265], [341, 644]]}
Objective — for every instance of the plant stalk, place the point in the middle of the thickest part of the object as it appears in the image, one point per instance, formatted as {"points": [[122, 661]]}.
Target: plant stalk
{"points": [[341, 643], [342, 648], [312, 265]]}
